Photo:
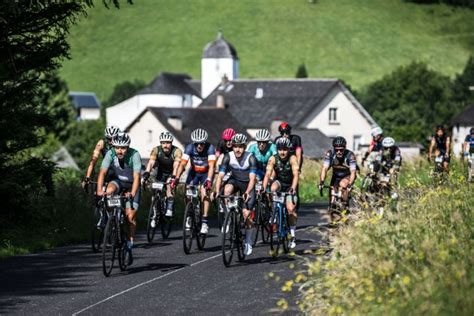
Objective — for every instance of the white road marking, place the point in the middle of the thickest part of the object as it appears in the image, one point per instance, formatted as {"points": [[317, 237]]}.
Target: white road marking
{"points": [[143, 283]]}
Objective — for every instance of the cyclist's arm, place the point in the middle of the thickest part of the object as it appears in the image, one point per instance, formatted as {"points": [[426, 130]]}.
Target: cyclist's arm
{"points": [[448, 145], [95, 155], [184, 160], [177, 160], [432, 145], [222, 171], [326, 166], [295, 168], [269, 171], [352, 168], [252, 174], [152, 161], [211, 160], [106, 162]]}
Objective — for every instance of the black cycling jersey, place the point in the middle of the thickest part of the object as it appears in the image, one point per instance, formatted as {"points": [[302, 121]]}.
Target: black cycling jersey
{"points": [[106, 148], [283, 171], [392, 156], [341, 167], [222, 148], [164, 161], [440, 143]]}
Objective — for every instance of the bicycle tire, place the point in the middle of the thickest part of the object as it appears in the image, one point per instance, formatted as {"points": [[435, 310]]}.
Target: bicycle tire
{"points": [[97, 233], [258, 223], [150, 231], [109, 246], [265, 224], [200, 238], [240, 237], [274, 238], [220, 215], [284, 240], [188, 234], [228, 238], [165, 222], [122, 245]]}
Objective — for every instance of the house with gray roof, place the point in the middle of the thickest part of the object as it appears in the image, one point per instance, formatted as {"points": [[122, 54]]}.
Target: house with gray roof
{"points": [[86, 104]]}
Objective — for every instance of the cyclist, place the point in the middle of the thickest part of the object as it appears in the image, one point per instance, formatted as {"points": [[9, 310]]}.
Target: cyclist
{"points": [[202, 156], [101, 148], [344, 166], [225, 144], [468, 145], [126, 164], [243, 168], [166, 159], [375, 144], [391, 155], [440, 144], [286, 169], [263, 149], [296, 147]]}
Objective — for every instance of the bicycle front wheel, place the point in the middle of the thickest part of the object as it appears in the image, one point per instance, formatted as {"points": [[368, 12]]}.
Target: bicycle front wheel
{"points": [[165, 222], [152, 215], [109, 246], [97, 228], [228, 238], [274, 233], [240, 237], [200, 238], [188, 226]]}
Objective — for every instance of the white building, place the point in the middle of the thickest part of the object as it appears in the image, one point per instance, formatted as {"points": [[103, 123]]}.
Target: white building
{"points": [[86, 104], [462, 123]]}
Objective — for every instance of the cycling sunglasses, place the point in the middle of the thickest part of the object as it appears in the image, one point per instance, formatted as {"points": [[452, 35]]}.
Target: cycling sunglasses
{"points": [[339, 150], [199, 144]]}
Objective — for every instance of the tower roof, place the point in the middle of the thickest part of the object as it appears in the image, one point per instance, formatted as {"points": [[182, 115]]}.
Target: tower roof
{"points": [[220, 48]]}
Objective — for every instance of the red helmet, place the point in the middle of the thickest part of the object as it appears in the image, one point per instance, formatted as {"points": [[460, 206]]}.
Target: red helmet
{"points": [[227, 134], [284, 128]]}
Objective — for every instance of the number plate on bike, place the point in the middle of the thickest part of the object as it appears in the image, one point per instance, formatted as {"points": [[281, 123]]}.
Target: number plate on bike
{"points": [[384, 178], [191, 192], [233, 203], [439, 159], [114, 201], [157, 185], [278, 199]]}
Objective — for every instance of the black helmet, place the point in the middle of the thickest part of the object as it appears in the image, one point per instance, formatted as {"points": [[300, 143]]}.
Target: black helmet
{"points": [[440, 127], [471, 131], [284, 128], [339, 141]]}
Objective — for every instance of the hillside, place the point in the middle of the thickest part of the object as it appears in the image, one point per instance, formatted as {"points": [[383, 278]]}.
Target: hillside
{"points": [[357, 41]]}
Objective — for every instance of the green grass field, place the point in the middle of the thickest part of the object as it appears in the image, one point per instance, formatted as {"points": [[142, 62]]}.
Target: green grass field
{"points": [[357, 41]]}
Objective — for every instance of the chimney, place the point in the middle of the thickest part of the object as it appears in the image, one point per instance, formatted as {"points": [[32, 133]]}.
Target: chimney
{"points": [[176, 122], [220, 102]]}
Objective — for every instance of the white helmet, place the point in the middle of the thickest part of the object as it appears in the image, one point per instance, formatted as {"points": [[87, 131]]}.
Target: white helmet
{"points": [[121, 140], [111, 131], [263, 135], [376, 131], [388, 142], [166, 137], [239, 139], [199, 136]]}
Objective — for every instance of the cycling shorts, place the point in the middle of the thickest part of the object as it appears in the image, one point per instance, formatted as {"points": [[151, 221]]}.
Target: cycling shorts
{"points": [[241, 187], [127, 187]]}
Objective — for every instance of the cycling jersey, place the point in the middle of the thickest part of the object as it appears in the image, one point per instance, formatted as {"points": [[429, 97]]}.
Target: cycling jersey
{"points": [[105, 148], [165, 161], [262, 157], [240, 169], [440, 143], [222, 148], [470, 140], [376, 145], [283, 170], [295, 144], [341, 167], [123, 168], [392, 156], [199, 161]]}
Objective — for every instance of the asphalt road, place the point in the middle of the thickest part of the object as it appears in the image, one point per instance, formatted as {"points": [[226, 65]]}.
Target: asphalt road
{"points": [[162, 280]]}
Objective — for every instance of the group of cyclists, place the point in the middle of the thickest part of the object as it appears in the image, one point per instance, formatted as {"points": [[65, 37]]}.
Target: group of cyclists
{"points": [[276, 164]]}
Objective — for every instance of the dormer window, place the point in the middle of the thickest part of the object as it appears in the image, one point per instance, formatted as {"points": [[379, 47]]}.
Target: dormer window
{"points": [[333, 115]]}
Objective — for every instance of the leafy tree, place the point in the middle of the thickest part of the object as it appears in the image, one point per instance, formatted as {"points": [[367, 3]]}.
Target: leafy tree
{"points": [[463, 96], [83, 138], [408, 102], [301, 72], [122, 91]]}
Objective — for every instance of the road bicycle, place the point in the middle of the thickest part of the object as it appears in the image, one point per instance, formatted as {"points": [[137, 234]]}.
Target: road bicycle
{"points": [[262, 216], [279, 226], [156, 214], [98, 219], [192, 220], [470, 167], [338, 208], [234, 229], [114, 244]]}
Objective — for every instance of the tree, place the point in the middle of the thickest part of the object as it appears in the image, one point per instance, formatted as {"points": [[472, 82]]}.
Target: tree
{"points": [[463, 87], [301, 71], [122, 91], [408, 102]]}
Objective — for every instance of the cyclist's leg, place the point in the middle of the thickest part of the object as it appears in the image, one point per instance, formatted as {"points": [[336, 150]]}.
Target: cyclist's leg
{"points": [[131, 213], [113, 187], [169, 194], [343, 183]]}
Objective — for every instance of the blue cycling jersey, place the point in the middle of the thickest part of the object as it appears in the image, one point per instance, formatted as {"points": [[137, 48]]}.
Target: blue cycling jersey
{"points": [[262, 158], [199, 161], [470, 140]]}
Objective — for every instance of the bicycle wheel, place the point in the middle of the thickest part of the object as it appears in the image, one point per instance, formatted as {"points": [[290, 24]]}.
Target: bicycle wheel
{"points": [[228, 238], [240, 237], [258, 222], [97, 228], [200, 238], [122, 245], [165, 222], [109, 245], [153, 212], [274, 239], [188, 234], [284, 231], [220, 207], [264, 222]]}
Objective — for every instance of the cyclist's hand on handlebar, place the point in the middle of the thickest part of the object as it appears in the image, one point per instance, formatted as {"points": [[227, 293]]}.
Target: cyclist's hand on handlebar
{"points": [[173, 182], [321, 187], [208, 184], [292, 191], [349, 187], [145, 176], [213, 196], [246, 197], [85, 183]]}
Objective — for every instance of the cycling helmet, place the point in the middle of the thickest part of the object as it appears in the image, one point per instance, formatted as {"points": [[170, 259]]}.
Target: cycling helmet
{"points": [[388, 142], [471, 131], [339, 141], [166, 137], [239, 139], [263, 135], [440, 128], [121, 140], [111, 131], [227, 134], [376, 131], [284, 128], [199, 136], [283, 143]]}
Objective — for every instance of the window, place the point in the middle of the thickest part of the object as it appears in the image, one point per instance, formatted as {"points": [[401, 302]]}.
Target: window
{"points": [[332, 115]]}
